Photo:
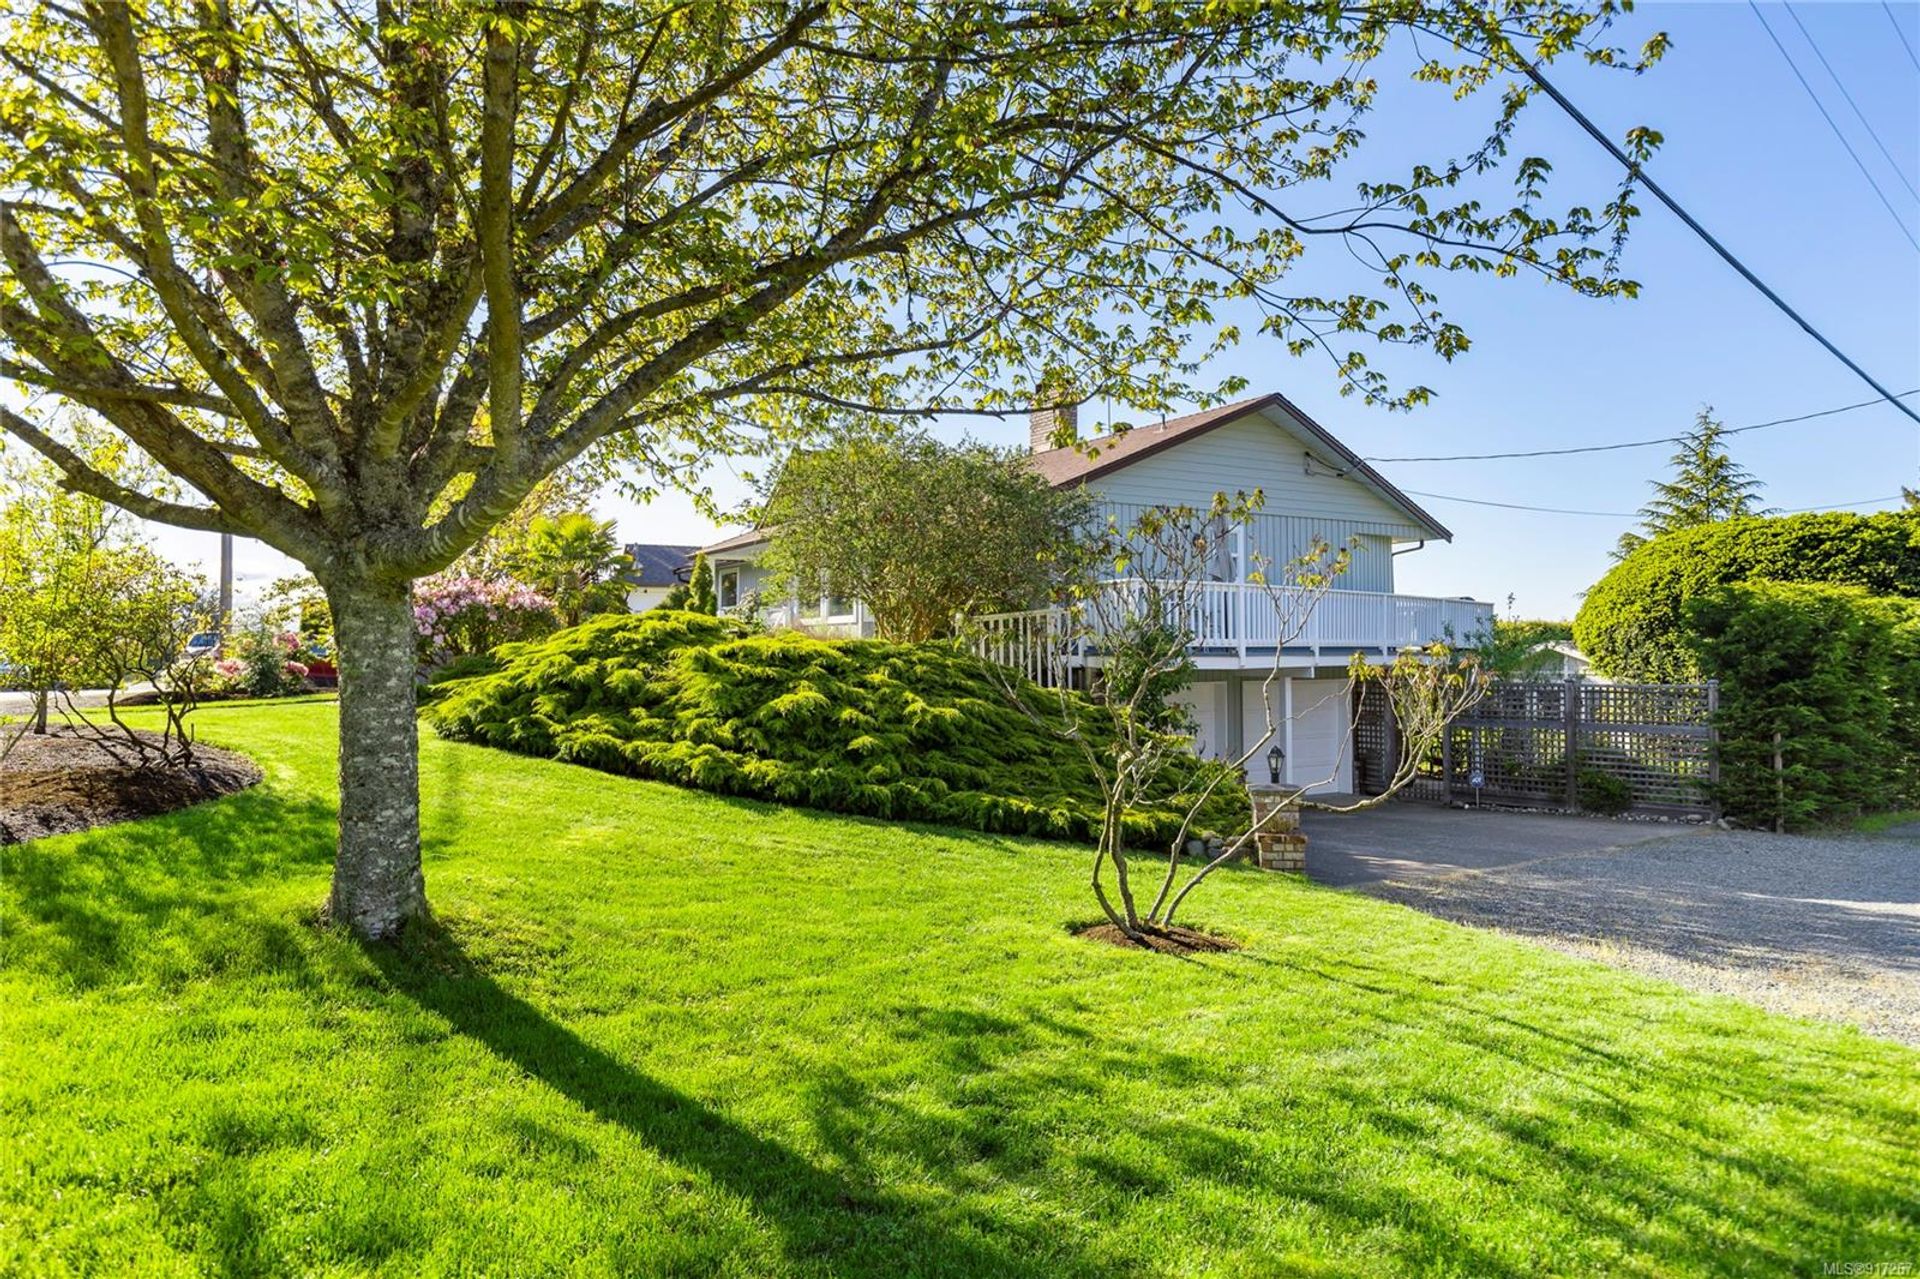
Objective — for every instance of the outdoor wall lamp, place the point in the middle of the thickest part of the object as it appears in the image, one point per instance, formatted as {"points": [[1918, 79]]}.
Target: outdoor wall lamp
{"points": [[1275, 758]]}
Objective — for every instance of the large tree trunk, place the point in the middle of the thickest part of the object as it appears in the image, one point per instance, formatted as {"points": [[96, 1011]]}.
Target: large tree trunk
{"points": [[377, 882]]}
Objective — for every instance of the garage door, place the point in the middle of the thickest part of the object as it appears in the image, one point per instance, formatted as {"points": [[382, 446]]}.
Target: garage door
{"points": [[1320, 758], [1207, 703]]}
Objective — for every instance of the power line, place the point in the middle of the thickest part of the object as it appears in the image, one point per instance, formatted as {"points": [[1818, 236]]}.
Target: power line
{"points": [[1901, 32], [1644, 177], [1630, 515], [1828, 117], [1841, 85], [1637, 444]]}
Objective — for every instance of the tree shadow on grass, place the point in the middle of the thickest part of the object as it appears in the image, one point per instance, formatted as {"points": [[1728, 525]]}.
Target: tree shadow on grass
{"points": [[1607, 1092], [860, 1226], [1036, 1102], [95, 906]]}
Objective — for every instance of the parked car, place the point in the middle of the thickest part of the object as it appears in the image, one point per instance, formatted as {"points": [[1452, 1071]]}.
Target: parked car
{"points": [[203, 644], [321, 672]]}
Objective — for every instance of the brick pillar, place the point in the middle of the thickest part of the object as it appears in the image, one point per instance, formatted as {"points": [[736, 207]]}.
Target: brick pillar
{"points": [[1277, 842]]}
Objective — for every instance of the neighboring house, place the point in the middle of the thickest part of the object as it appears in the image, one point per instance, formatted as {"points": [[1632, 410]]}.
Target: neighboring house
{"points": [[655, 571], [1315, 489], [1559, 660]]}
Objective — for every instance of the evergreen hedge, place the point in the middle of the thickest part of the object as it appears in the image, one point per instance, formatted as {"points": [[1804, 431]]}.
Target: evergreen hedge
{"points": [[910, 732], [1633, 622], [1835, 672]]}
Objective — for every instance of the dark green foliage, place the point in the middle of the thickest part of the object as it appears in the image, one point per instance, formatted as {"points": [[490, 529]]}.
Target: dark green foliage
{"points": [[700, 593], [695, 595], [1512, 649], [1633, 622], [1601, 792], [1834, 674], [1707, 485], [1149, 662], [1903, 692], [918, 530], [916, 732]]}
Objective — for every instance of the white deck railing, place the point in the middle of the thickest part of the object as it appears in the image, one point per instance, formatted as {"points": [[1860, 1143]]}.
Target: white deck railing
{"points": [[1033, 643], [1242, 618]]}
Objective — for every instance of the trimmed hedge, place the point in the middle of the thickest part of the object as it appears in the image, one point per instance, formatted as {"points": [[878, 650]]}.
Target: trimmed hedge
{"points": [[908, 732], [1633, 621], [1835, 673]]}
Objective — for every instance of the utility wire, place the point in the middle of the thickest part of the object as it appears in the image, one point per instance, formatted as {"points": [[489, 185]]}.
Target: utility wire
{"points": [[1631, 515], [1860, 115], [1901, 32], [1819, 106], [1641, 174], [1637, 444]]}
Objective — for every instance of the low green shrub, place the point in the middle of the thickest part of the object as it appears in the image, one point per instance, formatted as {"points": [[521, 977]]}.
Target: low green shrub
{"points": [[903, 731], [1826, 677], [441, 680], [1601, 792], [1633, 622]]}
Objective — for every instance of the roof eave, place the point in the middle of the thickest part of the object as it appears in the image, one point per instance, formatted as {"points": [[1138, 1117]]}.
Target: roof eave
{"points": [[1273, 399], [1378, 482]]}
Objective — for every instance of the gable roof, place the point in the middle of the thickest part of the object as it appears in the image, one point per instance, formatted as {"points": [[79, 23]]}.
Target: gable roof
{"points": [[738, 541], [1072, 465], [657, 565]]}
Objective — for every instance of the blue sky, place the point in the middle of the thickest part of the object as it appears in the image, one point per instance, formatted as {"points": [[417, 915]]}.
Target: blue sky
{"points": [[1749, 155]]}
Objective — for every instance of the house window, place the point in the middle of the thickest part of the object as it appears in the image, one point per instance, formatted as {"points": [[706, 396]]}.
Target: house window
{"points": [[839, 606], [730, 589]]}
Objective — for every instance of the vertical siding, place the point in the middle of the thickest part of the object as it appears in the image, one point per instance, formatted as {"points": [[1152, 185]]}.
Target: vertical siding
{"points": [[1275, 541], [1303, 502], [1255, 452]]}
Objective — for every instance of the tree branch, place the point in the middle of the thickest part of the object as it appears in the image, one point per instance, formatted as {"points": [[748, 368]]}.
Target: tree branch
{"points": [[82, 478]]}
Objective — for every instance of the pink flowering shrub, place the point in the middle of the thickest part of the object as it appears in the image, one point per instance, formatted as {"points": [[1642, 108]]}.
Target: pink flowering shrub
{"points": [[261, 663], [458, 616]]}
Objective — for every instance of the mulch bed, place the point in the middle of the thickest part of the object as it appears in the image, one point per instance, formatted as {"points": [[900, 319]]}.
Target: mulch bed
{"points": [[1178, 940], [63, 782]]}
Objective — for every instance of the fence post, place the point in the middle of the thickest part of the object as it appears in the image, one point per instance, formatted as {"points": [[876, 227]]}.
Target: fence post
{"points": [[1713, 747], [1570, 712]]}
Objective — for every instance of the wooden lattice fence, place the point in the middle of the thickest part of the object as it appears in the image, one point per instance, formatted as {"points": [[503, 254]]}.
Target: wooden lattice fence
{"points": [[1572, 745]]}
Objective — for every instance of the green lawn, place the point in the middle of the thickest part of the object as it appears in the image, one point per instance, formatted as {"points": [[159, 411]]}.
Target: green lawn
{"points": [[661, 1032], [1878, 823]]}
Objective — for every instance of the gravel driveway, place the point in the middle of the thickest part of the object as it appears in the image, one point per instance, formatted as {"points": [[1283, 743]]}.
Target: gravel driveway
{"points": [[1815, 926]]}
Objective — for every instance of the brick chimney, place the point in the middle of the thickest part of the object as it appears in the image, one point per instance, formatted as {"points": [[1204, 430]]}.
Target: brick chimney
{"points": [[1042, 423]]}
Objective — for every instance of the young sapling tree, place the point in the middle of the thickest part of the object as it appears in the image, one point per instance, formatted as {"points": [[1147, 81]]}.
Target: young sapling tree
{"points": [[1134, 605]]}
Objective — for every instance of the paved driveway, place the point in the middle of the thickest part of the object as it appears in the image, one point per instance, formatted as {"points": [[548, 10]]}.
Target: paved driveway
{"points": [[1825, 926], [15, 702]]}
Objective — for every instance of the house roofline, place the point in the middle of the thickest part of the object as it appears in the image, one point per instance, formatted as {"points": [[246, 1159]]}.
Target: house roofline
{"points": [[752, 537], [1374, 477], [1246, 408], [1225, 415]]}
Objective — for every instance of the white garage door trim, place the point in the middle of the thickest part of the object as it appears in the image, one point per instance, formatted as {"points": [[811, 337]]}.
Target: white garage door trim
{"points": [[1317, 740]]}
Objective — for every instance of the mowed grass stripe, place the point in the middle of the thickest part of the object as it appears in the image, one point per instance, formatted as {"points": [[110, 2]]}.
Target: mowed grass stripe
{"points": [[655, 1031]]}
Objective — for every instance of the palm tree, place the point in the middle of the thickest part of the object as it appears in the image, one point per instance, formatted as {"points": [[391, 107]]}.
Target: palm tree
{"points": [[575, 561]]}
